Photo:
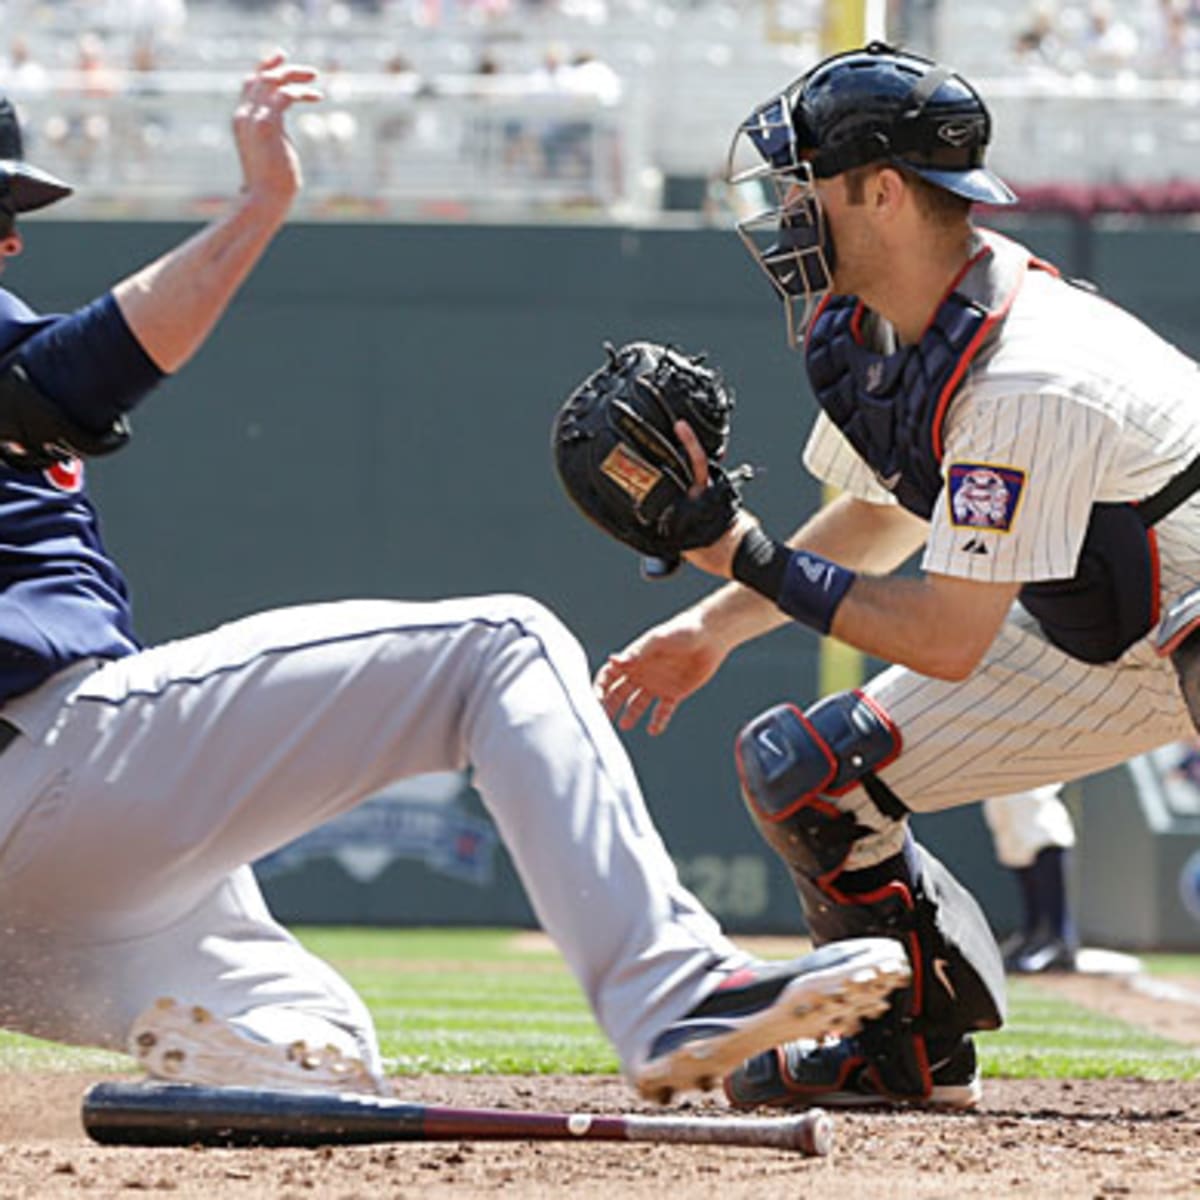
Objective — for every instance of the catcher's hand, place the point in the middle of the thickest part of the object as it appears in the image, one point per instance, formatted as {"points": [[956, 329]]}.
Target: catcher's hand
{"points": [[620, 458]]}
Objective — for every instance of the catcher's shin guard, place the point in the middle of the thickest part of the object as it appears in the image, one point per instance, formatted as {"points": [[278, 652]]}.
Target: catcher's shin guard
{"points": [[801, 775]]}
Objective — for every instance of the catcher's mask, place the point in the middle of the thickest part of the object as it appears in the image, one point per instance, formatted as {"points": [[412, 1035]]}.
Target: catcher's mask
{"points": [[23, 187], [875, 105]]}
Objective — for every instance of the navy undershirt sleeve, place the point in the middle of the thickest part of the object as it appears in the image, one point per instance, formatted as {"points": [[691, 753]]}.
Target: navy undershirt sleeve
{"points": [[90, 363]]}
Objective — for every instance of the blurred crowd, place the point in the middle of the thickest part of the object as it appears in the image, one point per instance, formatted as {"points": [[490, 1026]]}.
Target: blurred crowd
{"points": [[575, 102], [1157, 39], [106, 88]]}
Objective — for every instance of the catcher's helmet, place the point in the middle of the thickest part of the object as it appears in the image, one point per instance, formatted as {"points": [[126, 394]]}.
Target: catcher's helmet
{"points": [[22, 187], [874, 105], [882, 104]]}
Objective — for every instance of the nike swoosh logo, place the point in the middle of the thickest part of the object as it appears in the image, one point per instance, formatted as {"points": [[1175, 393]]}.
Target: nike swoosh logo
{"points": [[941, 970], [815, 572], [766, 740]]}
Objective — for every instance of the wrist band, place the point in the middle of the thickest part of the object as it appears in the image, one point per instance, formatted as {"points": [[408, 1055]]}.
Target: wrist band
{"points": [[760, 563], [813, 587], [804, 585]]}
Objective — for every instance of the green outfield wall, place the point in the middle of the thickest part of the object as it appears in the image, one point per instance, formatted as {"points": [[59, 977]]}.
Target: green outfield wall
{"points": [[372, 419]]}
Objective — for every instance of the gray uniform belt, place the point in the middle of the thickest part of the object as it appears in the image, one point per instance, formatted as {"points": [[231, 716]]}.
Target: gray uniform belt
{"points": [[8, 734]]}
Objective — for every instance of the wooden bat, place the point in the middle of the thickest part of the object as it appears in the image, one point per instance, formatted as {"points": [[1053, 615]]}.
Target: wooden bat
{"points": [[171, 1114]]}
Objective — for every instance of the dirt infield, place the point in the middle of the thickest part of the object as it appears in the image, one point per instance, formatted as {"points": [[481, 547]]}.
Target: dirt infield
{"points": [[1072, 1139]]}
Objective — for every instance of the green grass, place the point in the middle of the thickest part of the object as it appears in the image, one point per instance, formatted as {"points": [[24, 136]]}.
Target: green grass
{"points": [[1172, 964], [486, 1001], [468, 1001], [1049, 1038]]}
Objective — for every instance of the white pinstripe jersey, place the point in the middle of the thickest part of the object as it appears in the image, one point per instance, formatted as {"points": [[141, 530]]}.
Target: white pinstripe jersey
{"points": [[1076, 401]]}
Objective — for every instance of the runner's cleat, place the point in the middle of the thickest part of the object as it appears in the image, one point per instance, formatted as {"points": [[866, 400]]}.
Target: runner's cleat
{"points": [[180, 1043], [831, 991]]}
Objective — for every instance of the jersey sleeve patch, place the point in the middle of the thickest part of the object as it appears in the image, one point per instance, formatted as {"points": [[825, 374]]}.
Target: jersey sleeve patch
{"points": [[983, 496]]}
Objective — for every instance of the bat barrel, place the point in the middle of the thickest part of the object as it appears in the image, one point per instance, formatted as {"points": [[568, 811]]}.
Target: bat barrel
{"points": [[186, 1115]]}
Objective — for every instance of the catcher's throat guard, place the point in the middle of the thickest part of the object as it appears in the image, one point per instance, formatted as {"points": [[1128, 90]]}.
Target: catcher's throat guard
{"points": [[621, 462]]}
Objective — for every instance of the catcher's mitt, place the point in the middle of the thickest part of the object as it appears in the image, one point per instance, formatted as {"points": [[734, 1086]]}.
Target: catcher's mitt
{"points": [[620, 461]]}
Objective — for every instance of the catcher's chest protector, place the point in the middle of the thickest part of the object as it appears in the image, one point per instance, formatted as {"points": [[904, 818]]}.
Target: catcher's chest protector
{"points": [[891, 406]]}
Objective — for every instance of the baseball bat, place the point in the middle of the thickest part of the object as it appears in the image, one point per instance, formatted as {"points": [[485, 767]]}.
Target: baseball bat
{"points": [[170, 1114]]}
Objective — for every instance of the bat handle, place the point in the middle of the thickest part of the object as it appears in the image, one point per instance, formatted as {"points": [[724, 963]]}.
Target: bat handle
{"points": [[809, 1132]]}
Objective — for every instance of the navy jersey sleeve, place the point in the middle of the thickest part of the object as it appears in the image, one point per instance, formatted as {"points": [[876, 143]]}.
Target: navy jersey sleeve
{"points": [[88, 361]]}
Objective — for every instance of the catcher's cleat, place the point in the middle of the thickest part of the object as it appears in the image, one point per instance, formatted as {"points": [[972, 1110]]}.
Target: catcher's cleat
{"points": [[839, 1074], [180, 1043], [832, 990]]}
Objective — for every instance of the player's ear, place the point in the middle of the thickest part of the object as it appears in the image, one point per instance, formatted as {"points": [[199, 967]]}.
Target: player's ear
{"points": [[886, 190], [11, 244]]}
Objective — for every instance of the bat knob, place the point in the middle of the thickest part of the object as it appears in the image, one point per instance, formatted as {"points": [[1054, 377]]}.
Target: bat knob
{"points": [[815, 1136]]}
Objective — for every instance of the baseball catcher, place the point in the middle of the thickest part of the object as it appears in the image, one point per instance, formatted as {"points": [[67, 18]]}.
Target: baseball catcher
{"points": [[626, 460]]}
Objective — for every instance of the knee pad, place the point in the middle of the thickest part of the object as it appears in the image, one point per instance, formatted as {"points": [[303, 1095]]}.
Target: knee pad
{"points": [[793, 766]]}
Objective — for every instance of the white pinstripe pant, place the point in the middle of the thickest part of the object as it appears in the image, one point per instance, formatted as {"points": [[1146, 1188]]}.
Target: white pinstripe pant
{"points": [[1029, 715]]}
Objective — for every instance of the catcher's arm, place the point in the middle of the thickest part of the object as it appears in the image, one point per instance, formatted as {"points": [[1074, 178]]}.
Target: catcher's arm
{"points": [[859, 534], [658, 670], [886, 616]]}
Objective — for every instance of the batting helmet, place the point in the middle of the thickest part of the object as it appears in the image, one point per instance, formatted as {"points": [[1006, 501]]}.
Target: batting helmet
{"points": [[22, 187]]}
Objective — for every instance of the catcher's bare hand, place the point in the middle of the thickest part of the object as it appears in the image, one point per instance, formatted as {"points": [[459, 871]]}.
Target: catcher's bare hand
{"points": [[270, 166], [717, 558], [657, 671]]}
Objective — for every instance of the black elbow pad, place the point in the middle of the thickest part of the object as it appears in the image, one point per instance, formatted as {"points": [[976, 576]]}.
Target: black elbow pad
{"points": [[35, 433]]}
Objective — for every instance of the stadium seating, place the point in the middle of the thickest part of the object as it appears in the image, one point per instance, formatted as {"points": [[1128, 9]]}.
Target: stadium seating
{"points": [[476, 108]]}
